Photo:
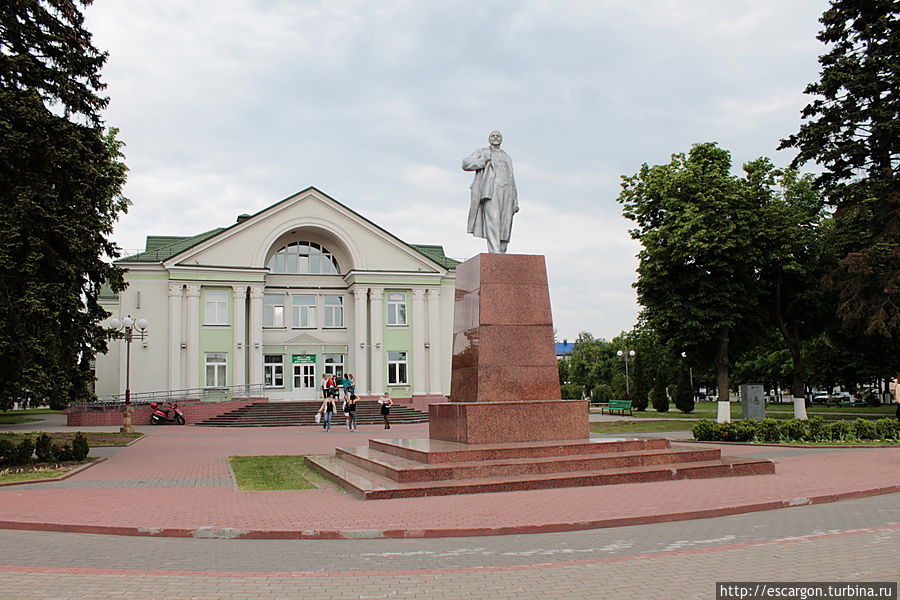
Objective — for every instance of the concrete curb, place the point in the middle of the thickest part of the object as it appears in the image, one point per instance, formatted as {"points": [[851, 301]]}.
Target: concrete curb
{"points": [[209, 532]]}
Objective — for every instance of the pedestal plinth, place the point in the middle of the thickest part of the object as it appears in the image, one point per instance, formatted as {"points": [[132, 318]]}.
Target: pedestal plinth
{"points": [[504, 383]]}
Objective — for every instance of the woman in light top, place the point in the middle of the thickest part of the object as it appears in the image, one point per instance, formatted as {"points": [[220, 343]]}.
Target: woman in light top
{"points": [[386, 404]]}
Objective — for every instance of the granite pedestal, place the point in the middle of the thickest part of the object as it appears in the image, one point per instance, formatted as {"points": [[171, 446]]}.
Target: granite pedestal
{"points": [[505, 427], [504, 383]]}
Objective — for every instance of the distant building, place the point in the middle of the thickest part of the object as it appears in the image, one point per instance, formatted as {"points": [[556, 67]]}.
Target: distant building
{"points": [[564, 348], [304, 287]]}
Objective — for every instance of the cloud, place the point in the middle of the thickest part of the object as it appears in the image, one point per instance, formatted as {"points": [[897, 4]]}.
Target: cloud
{"points": [[230, 106]]}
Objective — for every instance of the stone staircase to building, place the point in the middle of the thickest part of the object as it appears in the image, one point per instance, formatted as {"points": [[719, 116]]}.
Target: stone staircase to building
{"points": [[292, 414], [403, 468]]}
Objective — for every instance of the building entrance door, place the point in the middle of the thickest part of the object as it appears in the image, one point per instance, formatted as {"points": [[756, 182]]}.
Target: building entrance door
{"points": [[305, 385]]}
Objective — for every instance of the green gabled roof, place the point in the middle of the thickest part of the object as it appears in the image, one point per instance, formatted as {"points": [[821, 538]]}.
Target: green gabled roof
{"points": [[157, 251], [436, 253]]}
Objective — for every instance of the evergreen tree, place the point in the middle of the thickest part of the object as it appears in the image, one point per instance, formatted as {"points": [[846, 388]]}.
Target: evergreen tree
{"points": [[660, 397], [639, 391], [684, 393], [852, 130], [61, 177]]}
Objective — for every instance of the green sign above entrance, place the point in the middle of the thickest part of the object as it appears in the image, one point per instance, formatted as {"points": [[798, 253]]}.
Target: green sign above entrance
{"points": [[303, 358]]}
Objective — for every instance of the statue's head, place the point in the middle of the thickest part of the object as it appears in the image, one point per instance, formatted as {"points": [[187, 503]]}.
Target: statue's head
{"points": [[495, 138]]}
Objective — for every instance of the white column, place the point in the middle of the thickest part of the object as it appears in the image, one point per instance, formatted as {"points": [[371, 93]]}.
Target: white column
{"points": [[418, 341], [360, 339], [376, 371], [256, 350], [193, 336], [175, 353], [436, 368], [239, 328]]}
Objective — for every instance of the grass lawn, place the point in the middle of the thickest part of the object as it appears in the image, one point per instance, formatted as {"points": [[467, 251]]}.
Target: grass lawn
{"points": [[12, 417], [38, 472], [94, 439], [640, 426], [258, 473]]}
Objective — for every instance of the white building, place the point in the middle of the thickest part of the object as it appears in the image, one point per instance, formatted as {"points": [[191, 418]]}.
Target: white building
{"points": [[304, 287]]}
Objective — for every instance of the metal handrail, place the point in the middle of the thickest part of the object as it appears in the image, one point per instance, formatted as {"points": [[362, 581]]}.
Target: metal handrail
{"points": [[217, 394]]}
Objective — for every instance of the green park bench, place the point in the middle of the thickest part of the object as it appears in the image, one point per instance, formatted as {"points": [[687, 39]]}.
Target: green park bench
{"points": [[617, 405]]}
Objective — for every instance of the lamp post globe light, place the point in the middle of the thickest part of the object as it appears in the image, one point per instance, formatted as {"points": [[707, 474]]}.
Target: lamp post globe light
{"points": [[625, 355], [128, 329]]}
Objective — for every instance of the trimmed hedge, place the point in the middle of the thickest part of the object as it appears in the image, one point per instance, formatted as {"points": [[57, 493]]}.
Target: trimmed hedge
{"points": [[793, 430], [42, 450]]}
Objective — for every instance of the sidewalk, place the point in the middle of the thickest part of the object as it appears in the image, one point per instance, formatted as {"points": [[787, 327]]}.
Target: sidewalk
{"points": [[176, 481]]}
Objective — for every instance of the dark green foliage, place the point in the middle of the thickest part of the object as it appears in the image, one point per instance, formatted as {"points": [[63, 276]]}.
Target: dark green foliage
{"points": [[793, 429], [684, 395], [769, 430], [63, 453], [570, 391], [865, 429], [24, 452], [601, 393], [840, 431], [658, 396], [80, 447], [852, 129], [640, 392], [43, 448], [888, 429], [706, 430], [61, 177], [7, 453], [816, 430]]}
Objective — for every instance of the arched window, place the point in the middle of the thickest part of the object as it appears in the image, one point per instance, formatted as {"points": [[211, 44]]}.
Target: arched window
{"points": [[304, 258]]}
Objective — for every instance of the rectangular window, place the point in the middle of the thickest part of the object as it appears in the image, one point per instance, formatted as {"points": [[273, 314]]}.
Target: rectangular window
{"points": [[273, 370], [396, 308], [216, 307], [334, 311], [273, 310], [334, 364], [304, 312], [397, 368], [216, 363]]}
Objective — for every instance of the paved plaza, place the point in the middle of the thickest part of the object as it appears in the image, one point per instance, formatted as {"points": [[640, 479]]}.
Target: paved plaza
{"points": [[173, 497]]}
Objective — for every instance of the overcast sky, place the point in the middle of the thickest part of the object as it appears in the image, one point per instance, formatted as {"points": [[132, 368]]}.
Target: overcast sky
{"points": [[229, 106]]}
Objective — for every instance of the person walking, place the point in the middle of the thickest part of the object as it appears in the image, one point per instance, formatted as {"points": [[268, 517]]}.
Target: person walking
{"points": [[351, 412], [345, 384], [386, 404], [327, 411]]}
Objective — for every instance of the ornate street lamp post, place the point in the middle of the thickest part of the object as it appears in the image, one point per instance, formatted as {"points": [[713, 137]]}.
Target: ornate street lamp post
{"points": [[625, 355], [129, 330]]}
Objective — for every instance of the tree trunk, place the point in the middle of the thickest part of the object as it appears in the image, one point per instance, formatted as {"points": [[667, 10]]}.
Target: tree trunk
{"points": [[791, 335], [724, 403]]}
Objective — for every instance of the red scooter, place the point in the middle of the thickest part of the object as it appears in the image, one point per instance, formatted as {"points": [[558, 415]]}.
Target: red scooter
{"points": [[161, 416]]}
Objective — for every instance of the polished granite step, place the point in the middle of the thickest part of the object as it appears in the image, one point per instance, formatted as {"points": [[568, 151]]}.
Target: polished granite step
{"points": [[369, 485]]}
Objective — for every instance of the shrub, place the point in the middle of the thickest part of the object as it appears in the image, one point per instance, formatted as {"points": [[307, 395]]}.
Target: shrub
{"points": [[888, 429], [63, 453], [601, 393], [707, 430], [769, 431], [840, 431], [865, 429], [43, 448], [745, 430], [80, 447], [816, 429], [570, 391], [793, 429], [24, 452], [7, 451]]}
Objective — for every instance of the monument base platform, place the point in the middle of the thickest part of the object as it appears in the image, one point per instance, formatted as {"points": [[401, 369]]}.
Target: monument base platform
{"points": [[502, 422], [405, 468]]}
